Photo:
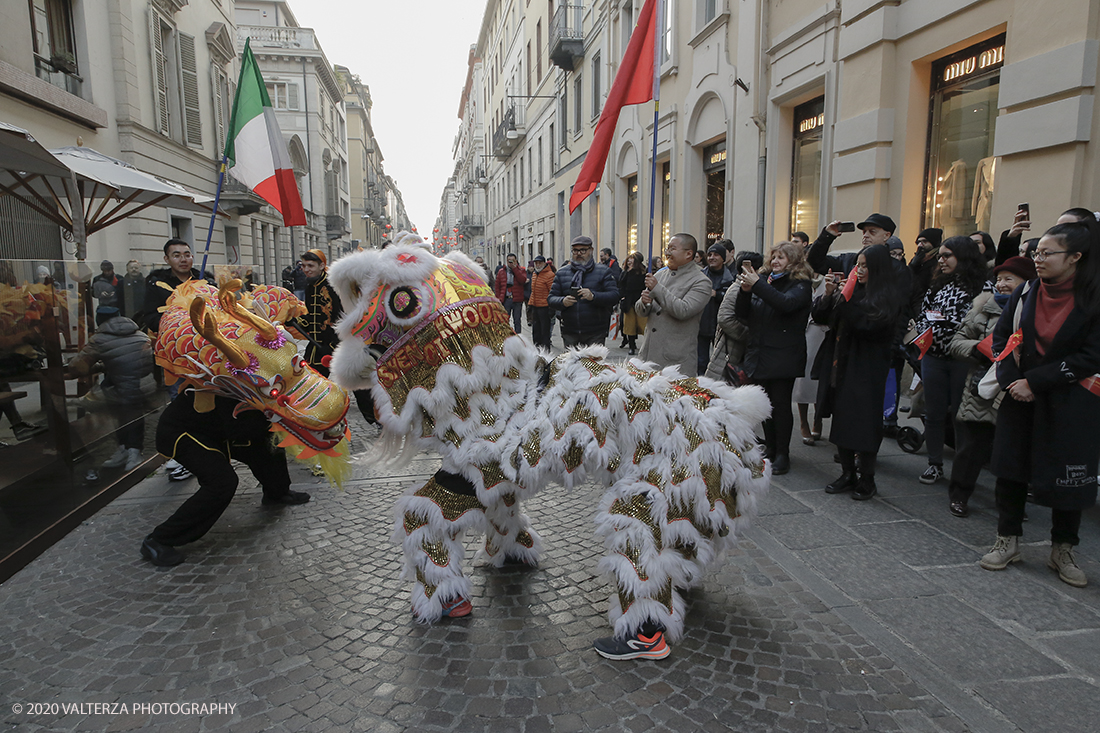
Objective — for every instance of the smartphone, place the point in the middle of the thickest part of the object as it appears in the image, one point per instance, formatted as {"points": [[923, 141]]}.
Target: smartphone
{"points": [[847, 226], [1026, 208], [575, 292]]}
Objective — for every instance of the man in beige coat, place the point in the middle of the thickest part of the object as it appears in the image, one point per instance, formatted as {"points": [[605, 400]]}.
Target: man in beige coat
{"points": [[672, 302]]}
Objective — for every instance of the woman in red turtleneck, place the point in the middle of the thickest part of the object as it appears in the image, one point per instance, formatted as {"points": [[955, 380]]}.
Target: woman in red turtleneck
{"points": [[1048, 426]]}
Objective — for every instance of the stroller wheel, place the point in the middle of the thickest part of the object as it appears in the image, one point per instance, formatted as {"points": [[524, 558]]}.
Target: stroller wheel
{"points": [[910, 440]]}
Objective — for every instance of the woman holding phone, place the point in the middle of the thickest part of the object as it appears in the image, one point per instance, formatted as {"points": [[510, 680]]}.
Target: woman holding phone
{"points": [[862, 318], [775, 302], [1048, 424]]}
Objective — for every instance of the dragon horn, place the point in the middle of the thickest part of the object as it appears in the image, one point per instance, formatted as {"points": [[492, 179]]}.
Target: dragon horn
{"points": [[227, 299], [207, 327]]}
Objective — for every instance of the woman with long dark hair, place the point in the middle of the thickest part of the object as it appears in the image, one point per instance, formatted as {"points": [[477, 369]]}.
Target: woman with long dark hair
{"points": [[863, 318], [959, 277], [1048, 425], [631, 285], [776, 308]]}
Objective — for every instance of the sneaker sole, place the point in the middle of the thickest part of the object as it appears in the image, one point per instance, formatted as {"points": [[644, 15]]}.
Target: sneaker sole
{"points": [[1064, 579], [991, 566], [644, 654]]}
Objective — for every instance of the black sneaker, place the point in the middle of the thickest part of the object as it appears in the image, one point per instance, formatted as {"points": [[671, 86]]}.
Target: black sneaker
{"points": [[932, 474], [162, 556], [290, 498], [636, 647]]}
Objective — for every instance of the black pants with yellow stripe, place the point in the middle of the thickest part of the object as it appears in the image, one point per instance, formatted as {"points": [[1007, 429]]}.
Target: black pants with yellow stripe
{"points": [[218, 484]]}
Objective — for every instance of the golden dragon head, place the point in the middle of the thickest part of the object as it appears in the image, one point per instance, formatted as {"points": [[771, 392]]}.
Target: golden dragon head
{"points": [[230, 342]]}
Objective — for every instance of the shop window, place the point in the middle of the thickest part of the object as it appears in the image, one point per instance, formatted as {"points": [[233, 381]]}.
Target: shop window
{"points": [[963, 116], [809, 123], [666, 202], [632, 213], [714, 168]]}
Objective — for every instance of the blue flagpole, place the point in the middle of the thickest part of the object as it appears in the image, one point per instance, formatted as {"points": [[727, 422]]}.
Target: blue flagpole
{"points": [[657, 20], [213, 216]]}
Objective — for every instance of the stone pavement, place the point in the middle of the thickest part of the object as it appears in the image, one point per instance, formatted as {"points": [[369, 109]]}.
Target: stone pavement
{"points": [[831, 615]]}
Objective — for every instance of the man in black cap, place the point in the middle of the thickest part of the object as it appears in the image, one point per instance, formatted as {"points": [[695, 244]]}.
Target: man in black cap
{"points": [[720, 280], [924, 263], [876, 229], [585, 292]]}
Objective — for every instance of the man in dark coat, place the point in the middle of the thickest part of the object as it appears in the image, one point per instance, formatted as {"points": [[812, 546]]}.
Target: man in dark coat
{"points": [[608, 260], [586, 293], [720, 280], [177, 254], [317, 326]]}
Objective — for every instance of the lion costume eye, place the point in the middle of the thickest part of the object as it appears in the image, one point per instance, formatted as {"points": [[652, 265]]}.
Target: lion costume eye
{"points": [[407, 305]]}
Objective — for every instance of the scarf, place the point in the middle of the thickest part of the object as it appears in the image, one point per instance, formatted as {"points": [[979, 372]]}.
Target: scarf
{"points": [[1052, 306], [579, 270], [1002, 299], [772, 277]]}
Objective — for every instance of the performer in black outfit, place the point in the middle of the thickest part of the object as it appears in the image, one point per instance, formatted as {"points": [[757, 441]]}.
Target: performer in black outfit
{"points": [[204, 443]]}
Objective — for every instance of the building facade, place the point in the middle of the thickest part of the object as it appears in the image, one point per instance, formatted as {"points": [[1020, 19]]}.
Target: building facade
{"points": [[783, 115]]}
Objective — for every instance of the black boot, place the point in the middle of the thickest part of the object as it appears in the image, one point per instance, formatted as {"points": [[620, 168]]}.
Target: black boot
{"points": [[866, 488], [847, 480]]}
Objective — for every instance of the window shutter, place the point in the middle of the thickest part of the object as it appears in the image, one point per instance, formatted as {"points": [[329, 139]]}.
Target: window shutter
{"points": [[292, 96], [218, 84], [192, 111], [160, 78]]}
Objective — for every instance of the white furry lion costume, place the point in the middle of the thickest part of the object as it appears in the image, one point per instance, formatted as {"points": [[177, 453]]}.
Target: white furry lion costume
{"points": [[678, 455]]}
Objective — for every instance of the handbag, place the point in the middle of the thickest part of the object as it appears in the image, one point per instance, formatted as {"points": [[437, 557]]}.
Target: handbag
{"points": [[734, 375], [988, 386]]}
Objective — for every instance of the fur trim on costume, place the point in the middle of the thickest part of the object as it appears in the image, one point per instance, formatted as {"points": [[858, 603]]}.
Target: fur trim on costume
{"points": [[677, 455]]}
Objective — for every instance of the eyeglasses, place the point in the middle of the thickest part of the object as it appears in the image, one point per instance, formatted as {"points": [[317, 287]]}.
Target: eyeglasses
{"points": [[1041, 254], [947, 256]]}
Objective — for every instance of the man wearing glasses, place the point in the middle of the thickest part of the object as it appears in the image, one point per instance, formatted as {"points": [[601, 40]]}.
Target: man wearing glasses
{"points": [[585, 292]]}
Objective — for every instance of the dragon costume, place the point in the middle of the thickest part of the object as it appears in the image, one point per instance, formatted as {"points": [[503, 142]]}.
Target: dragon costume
{"points": [[229, 342]]}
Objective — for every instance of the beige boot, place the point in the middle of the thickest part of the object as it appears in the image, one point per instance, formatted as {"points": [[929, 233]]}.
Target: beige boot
{"points": [[1005, 550], [1062, 561]]}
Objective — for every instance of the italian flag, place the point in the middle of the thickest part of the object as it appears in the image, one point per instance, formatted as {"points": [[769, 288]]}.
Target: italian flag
{"points": [[254, 149]]}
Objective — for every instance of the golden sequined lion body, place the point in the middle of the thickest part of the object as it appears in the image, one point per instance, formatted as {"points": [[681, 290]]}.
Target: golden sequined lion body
{"points": [[677, 455]]}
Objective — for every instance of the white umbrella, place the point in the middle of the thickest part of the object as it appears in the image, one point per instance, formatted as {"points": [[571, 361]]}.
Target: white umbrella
{"points": [[80, 189]]}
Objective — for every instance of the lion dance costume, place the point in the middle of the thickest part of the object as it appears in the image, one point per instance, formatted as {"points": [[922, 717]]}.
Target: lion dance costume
{"points": [[679, 460], [229, 342]]}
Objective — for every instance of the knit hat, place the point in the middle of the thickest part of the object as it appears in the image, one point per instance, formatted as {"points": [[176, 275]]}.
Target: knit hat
{"points": [[106, 265], [878, 220], [539, 258], [717, 249], [933, 235], [894, 243], [1020, 266]]}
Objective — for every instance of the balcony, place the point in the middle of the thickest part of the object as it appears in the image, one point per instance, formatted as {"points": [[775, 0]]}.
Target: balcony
{"points": [[472, 225], [509, 133], [335, 226], [567, 36], [265, 36]]}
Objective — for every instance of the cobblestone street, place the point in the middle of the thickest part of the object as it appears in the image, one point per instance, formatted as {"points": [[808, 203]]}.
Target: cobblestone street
{"points": [[831, 615]]}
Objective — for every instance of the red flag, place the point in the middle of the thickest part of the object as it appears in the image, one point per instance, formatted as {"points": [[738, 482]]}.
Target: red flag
{"points": [[633, 85], [1013, 341], [985, 347], [1092, 384], [850, 286], [924, 342]]}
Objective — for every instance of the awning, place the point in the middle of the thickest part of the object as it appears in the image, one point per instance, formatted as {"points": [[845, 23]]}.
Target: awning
{"points": [[80, 189]]}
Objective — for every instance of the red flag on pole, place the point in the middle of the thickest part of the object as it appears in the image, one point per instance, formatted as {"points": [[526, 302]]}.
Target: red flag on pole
{"points": [[849, 285], [1013, 341], [924, 342], [633, 85]]}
